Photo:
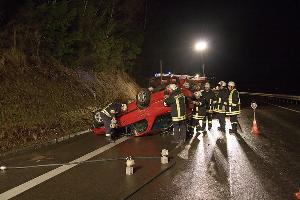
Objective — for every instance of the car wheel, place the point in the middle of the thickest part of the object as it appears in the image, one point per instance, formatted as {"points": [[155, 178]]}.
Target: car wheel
{"points": [[98, 121], [143, 98]]}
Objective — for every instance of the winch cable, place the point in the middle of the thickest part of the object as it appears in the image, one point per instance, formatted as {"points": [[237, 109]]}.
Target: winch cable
{"points": [[61, 164], [105, 160], [81, 162]]}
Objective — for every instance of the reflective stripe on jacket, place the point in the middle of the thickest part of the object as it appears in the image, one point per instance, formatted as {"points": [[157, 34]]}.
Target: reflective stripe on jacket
{"points": [[234, 103], [220, 106], [178, 106], [210, 98], [199, 109]]}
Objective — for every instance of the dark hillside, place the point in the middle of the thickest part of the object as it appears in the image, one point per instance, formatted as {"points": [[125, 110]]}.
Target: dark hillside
{"points": [[59, 61], [38, 104]]}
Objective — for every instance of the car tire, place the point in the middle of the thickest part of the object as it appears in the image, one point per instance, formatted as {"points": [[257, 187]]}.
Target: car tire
{"points": [[143, 98], [98, 121]]}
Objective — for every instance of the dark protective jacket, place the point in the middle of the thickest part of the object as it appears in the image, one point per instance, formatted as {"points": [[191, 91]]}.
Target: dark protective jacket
{"points": [[199, 109], [210, 98], [112, 109], [221, 101], [177, 103], [233, 103]]}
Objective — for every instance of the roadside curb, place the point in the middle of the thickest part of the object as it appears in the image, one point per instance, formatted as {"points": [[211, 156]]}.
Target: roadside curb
{"points": [[43, 144]]}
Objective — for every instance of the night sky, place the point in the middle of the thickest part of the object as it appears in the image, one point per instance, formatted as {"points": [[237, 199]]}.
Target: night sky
{"points": [[254, 43]]}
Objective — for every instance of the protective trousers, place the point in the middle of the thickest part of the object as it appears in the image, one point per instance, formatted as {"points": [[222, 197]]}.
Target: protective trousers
{"points": [[107, 121], [195, 123], [207, 117], [179, 130], [221, 118], [234, 122]]}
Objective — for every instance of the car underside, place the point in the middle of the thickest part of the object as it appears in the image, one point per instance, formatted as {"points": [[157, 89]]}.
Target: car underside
{"points": [[148, 114]]}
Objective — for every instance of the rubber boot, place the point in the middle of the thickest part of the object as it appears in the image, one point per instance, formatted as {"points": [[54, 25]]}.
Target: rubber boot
{"points": [[233, 129], [203, 128], [198, 129], [190, 132], [209, 126], [204, 133], [112, 137], [222, 129]]}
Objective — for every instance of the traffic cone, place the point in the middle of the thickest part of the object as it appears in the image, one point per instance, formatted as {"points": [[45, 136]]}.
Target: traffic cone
{"points": [[254, 129]]}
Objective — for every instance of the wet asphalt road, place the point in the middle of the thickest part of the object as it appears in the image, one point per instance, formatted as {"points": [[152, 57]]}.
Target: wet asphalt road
{"points": [[242, 166], [247, 166]]}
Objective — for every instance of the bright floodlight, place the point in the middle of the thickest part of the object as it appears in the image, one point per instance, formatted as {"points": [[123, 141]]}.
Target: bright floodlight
{"points": [[201, 46]]}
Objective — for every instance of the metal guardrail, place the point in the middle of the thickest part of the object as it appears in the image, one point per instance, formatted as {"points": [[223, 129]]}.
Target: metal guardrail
{"points": [[275, 97]]}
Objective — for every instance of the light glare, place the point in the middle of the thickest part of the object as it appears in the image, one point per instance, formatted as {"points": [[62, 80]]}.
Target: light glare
{"points": [[201, 46]]}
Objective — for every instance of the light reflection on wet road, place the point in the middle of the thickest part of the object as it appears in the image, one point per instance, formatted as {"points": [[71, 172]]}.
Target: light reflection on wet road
{"points": [[243, 167], [244, 182]]}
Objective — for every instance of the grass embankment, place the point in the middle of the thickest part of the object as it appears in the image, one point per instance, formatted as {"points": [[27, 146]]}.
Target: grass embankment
{"points": [[42, 103]]}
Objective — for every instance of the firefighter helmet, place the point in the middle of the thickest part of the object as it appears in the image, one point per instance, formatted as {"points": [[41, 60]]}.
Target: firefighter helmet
{"points": [[186, 85], [150, 89], [124, 107], [172, 87], [222, 83], [207, 85], [231, 83], [197, 94]]}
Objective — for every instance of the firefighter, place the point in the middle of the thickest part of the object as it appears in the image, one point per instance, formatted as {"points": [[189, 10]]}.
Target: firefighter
{"points": [[233, 106], [220, 105], [199, 112], [176, 100], [209, 97], [108, 115]]}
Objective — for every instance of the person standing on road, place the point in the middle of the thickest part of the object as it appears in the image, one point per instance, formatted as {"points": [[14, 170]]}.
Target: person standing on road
{"points": [[199, 112], [220, 105], [108, 115], [209, 97], [233, 106], [176, 100]]}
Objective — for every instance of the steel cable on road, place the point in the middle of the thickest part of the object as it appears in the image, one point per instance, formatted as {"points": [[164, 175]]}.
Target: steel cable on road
{"points": [[61, 164], [81, 162]]}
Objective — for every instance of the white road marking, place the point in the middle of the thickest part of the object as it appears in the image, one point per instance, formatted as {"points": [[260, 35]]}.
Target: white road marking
{"points": [[44, 177], [297, 111]]}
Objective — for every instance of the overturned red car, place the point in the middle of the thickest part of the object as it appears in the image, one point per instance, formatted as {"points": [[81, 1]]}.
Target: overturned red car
{"points": [[148, 114]]}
